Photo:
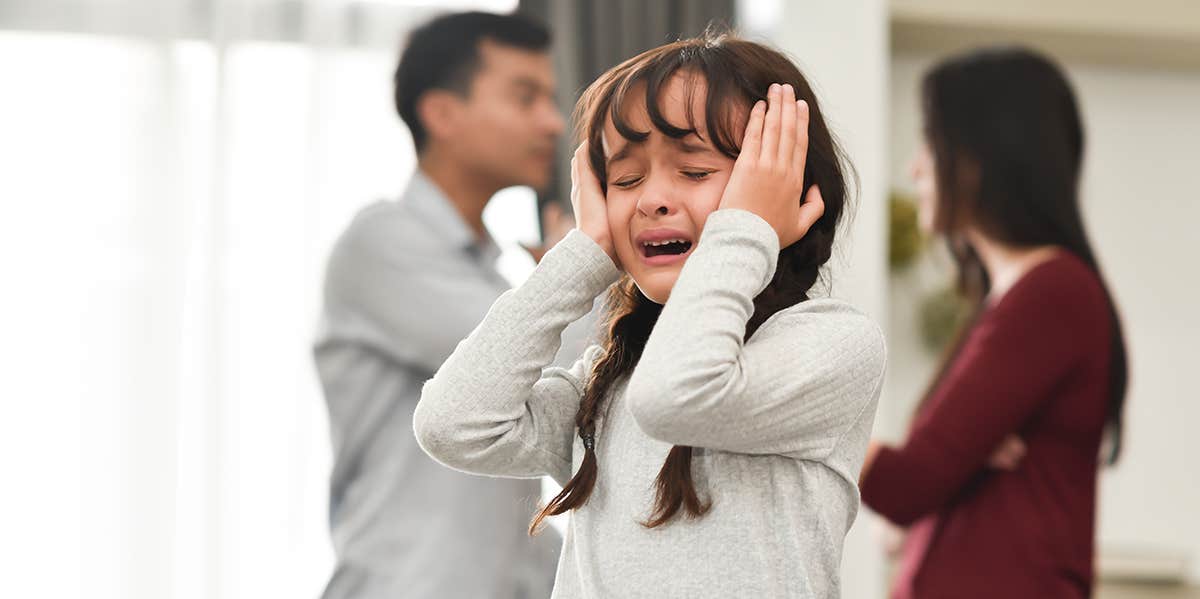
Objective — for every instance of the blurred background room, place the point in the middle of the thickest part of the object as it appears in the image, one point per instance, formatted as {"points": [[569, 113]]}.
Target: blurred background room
{"points": [[173, 174]]}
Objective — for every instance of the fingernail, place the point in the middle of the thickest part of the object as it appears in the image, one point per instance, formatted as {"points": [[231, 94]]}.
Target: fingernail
{"points": [[774, 88], [801, 105], [787, 87]]}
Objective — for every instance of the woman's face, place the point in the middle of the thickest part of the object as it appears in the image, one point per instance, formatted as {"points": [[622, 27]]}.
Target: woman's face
{"points": [[661, 191], [923, 174]]}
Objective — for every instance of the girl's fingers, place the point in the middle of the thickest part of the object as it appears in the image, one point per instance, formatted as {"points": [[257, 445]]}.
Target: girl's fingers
{"points": [[800, 155], [752, 139], [787, 127], [811, 210], [770, 134], [581, 169], [575, 158]]}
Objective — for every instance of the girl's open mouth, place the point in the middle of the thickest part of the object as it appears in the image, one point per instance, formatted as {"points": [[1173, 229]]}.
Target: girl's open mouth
{"points": [[666, 251]]}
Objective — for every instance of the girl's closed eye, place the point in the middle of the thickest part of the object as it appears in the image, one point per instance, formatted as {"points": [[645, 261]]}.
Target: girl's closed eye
{"points": [[632, 180], [627, 182]]}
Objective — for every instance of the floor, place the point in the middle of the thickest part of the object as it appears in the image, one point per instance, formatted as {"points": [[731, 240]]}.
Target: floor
{"points": [[1111, 590]]}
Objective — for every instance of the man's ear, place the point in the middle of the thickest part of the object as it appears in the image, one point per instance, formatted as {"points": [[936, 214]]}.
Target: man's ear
{"points": [[440, 111]]}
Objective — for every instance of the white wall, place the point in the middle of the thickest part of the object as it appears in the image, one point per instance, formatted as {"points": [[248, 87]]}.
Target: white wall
{"points": [[1141, 203], [1156, 18]]}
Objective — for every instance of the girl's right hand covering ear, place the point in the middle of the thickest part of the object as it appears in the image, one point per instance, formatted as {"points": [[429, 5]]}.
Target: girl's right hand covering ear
{"points": [[587, 200], [768, 176]]}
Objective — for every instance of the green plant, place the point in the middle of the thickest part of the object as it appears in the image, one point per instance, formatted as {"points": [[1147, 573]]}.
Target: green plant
{"points": [[905, 240]]}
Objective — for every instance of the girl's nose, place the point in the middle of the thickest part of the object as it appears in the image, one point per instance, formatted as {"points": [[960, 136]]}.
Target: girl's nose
{"points": [[656, 200]]}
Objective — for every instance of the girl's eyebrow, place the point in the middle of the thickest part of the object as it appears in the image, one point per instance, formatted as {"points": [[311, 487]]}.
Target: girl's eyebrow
{"points": [[621, 154], [687, 146]]}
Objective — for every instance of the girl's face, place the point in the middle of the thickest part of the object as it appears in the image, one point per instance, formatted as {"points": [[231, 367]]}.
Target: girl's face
{"points": [[661, 190], [923, 174]]}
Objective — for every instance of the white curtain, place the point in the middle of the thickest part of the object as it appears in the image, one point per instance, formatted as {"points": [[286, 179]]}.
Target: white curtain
{"points": [[172, 174]]}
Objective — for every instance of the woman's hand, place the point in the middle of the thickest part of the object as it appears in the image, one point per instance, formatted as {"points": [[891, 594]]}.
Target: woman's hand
{"points": [[587, 200], [1009, 454], [768, 176]]}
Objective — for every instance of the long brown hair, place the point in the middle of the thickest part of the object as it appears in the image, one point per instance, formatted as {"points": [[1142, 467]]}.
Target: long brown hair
{"points": [[1005, 132], [737, 74]]}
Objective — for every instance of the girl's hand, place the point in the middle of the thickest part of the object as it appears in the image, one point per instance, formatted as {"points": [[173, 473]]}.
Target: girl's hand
{"points": [[768, 176], [587, 200]]}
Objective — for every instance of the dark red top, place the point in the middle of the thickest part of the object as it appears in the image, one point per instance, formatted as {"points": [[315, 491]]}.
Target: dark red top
{"points": [[1035, 364]]}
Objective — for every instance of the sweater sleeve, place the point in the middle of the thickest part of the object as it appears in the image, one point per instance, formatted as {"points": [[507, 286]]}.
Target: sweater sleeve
{"points": [[493, 407], [795, 388], [1005, 373]]}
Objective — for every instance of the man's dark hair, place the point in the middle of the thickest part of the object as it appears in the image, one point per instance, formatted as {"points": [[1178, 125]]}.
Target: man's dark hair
{"points": [[444, 54]]}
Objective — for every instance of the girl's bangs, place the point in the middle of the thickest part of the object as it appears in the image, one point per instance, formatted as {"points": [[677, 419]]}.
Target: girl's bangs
{"points": [[706, 70]]}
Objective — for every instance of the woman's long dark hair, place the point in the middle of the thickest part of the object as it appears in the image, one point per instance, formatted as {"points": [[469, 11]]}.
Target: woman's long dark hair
{"points": [[1005, 132], [737, 74]]}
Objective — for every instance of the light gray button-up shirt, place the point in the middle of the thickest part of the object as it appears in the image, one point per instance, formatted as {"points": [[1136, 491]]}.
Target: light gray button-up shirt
{"points": [[405, 283]]}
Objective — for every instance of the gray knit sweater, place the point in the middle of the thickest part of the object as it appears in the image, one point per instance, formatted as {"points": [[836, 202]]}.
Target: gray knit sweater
{"points": [[780, 423]]}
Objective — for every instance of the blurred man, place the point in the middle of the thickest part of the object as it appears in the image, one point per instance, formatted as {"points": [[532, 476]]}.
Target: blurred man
{"points": [[405, 283]]}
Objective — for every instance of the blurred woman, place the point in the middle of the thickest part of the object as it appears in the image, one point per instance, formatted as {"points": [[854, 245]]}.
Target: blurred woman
{"points": [[1042, 357]]}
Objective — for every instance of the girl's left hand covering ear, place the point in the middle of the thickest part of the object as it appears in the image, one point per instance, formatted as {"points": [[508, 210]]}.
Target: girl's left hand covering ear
{"points": [[768, 175]]}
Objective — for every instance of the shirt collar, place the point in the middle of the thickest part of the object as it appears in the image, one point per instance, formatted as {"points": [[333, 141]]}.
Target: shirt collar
{"points": [[433, 206]]}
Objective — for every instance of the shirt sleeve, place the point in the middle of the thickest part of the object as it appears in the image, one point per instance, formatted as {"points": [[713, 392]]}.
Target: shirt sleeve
{"points": [[795, 388]]}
